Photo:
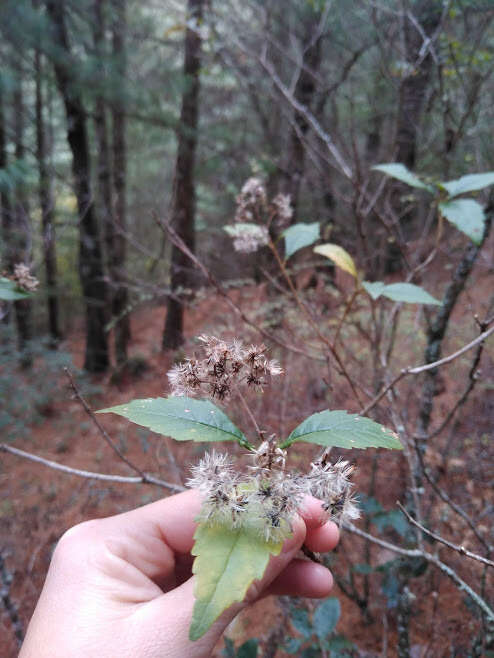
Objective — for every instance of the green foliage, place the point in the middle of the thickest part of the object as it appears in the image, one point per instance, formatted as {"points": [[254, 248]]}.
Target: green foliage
{"points": [[469, 183], [248, 649], [227, 562], [182, 418], [400, 292], [316, 631], [10, 292], [467, 215], [343, 430], [401, 173], [299, 236]]}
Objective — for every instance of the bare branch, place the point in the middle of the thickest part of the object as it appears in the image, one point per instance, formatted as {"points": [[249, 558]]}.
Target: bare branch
{"points": [[460, 549], [144, 479]]}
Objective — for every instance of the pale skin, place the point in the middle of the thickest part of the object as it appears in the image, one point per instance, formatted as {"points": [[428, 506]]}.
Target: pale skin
{"points": [[123, 585]]}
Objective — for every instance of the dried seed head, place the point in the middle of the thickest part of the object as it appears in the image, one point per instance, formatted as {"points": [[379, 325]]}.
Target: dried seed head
{"points": [[24, 279], [248, 238], [282, 206]]}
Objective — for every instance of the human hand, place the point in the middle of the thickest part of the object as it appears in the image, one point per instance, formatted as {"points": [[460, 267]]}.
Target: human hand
{"points": [[123, 586]]}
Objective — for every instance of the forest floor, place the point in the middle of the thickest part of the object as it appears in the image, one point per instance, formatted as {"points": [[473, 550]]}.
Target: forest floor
{"points": [[37, 504]]}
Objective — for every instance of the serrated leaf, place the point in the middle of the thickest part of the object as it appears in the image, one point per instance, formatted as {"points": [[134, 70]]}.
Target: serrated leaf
{"points": [[340, 257], [227, 563], [467, 215], [343, 430], [182, 418], [400, 172], [400, 292], [9, 292], [469, 183], [326, 617], [299, 236]]}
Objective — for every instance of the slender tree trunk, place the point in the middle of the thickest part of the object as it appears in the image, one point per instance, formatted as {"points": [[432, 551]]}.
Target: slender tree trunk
{"points": [[6, 209], [184, 193], [90, 253], [118, 254], [22, 232], [47, 209], [304, 92]]}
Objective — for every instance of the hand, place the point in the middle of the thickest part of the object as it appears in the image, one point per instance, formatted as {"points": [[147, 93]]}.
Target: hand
{"points": [[122, 586]]}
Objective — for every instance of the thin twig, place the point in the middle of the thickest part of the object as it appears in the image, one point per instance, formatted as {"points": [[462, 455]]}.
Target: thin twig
{"points": [[144, 479], [460, 549], [460, 583], [100, 428], [428, 366]]}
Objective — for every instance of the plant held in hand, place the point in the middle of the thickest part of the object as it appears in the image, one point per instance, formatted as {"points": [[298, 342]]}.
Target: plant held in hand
{"points": [[247, 514]]}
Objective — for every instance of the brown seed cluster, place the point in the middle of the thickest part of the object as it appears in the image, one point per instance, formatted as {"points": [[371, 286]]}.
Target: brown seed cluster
{"points": [[226, 365]]}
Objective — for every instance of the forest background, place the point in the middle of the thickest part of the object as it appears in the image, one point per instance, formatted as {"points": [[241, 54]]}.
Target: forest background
{"points": [[128, 131]]}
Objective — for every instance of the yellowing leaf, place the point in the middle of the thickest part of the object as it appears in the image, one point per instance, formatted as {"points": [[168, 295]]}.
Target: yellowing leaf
{"points": [[340, 257], [227, 563]]}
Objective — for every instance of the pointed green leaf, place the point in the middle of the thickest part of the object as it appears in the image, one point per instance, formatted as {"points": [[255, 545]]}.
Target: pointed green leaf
{"points": [[326, 617], [299, 236], [374, 288], [340, 257], [410, 293], [9, 292], [343, 430], [469, 183], [182, 418], [227, 563], [467, 215], [400, 172]]}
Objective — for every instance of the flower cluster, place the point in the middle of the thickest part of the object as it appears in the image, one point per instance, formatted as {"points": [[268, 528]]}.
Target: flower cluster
{"points": [[254, 214], [226, 364], [24, 278], [266, 499], [247, 238], [251, 202]]}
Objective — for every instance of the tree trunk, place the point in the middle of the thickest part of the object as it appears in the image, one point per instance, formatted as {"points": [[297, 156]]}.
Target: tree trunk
{"points": [[118, 254], [21, 245], [90, 254], [183, 212], [304, 92], [6, 209], [47, 205]]}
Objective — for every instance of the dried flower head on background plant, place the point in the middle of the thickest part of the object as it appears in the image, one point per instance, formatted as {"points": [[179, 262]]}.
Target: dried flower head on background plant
{"points": [[254, 215], [24, 279]]}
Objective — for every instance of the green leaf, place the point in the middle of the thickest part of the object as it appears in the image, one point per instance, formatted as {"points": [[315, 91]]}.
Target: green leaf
{"points": [[326, 617], [469, 183], [300, 621], [9, 291], [293, 645], [248, 649], [400, 292], [227, 562], [400, 172], [374, 288], [182, 418], [299, 236], [339, 256], [343, 430], [394, 519], [467, 215]]}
